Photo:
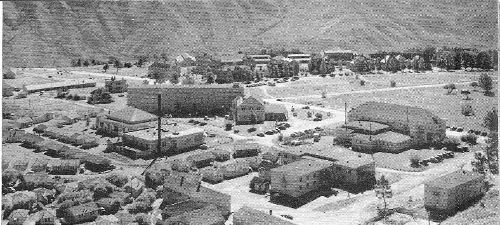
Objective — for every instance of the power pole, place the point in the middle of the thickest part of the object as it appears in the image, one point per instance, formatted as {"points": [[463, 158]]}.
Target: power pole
{"points": [[159, 126]]}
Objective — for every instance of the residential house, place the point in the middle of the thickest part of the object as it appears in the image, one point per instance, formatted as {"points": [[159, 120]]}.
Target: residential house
{"points": [[125, 120], [24, 122], [43, 118], [246, 149], [70, 117], [30, 140], [453, 191], [249, 216], [248, 110], [96, 163], [201, 159], [82, 213], [18, 216], [212, 174], [353, 173], [115, 86], [47, 217], [208, 215], [221, 155], [40, 128], [231, 169], [134, 187], [300, 177], [190, 185], [64, 167], [35, 180]]}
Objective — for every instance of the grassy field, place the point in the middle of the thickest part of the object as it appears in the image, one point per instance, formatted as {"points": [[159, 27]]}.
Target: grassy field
{"points": [[427, 78], [448, 107]]}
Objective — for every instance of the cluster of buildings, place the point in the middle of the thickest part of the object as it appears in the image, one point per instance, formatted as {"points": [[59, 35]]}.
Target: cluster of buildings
{"points": [[250, 110], [378, 126]]}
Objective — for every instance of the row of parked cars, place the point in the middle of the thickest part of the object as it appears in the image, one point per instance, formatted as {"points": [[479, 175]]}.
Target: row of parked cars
{"points": [[470, 131], [270, 83], [437, 159], [278, 129]]}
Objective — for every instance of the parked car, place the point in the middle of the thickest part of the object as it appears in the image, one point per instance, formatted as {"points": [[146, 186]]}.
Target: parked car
{"points": [[453, 128], [279, 99], [269, 132], [459, 129], [288, 217], [484, 134], [318, 129], [261, 134]]}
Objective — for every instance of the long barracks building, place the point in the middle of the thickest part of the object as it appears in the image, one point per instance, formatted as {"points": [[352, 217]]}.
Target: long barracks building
{"points": [[185, 99]]}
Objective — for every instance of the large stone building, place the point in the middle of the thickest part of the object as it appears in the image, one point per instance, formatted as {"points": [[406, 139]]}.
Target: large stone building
{"points": [[124, 120], [405, 122], [184, 100], [452, 191], [249, 110], [174, 139]]}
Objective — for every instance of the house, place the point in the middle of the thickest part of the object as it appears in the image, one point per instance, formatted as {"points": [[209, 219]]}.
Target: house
{"points": [[96, 163], [125, 120], [190, 185], [18, 216], [300, 177], [115, 86], [420, 124], [246, 149], [39, 165], [212, 175], [248, 110], [40, 128], [44, 195], [30, 140], [231, 169], [221, 155], [249, 216], [453, 191], [47, 217], [275, 112], [43, 118], [202, 159], [24, 122], [64, 167], [35, 180], [82, 213], [134, 187], [208, 215]]}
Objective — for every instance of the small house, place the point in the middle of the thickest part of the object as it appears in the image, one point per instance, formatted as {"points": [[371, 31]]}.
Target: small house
{"points": [[18, 216], [82, 213], [65, 167], [39, 165], [202, 159], [246, 149], [24, 122], [208, 215], [47, 217], [134, 187], [221, 155], [248, 216], [452, 191], [40, 128], [275, 112], [29, 140]]}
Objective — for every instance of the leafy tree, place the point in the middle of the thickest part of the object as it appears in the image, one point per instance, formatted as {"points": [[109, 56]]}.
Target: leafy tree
{"points": [[360, 64], [105, 67], [483, 60], [470, 139], [210, 78], [127, 65], [467, 110], [491, 123], [491, 120], [142, 59], [474, 85], [100, 96], [393, 83], [8, 74], [86, 63], [486, 83], [468, 59], [414, 160], [450, 88], [479, 163], [445, 60]]}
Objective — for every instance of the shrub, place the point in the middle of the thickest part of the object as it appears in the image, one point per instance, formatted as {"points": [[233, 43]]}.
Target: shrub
{"points": [[414, 160], [309, 114], [362, 82], [251, 129], [469, 138], [459, 129], [319, 115], [139, 207], [306, 107], [484, 134], [118, 180], [450, 87], [393, 83], [467, 110], [323, 94]]}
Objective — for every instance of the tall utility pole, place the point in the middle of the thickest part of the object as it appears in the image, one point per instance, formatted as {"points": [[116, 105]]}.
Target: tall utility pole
{"points": [[345, 115], [159, 126]]}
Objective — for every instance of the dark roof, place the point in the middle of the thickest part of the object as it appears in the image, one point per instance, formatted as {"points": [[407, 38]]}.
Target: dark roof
{"points": [[275, 108], [392, 137], [132, 115], [183, 207], [205, 216], [454, 179], [388, 113], [246, 215]]}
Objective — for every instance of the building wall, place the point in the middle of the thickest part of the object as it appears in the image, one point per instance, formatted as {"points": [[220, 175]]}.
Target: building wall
{"points": [[295, 186], [245, 114], [436, 198], [184, 99], [179, 142], [466, 192], [114, 127]]}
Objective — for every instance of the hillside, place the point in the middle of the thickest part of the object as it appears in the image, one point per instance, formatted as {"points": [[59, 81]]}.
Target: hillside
{"points": [[53, 32]]}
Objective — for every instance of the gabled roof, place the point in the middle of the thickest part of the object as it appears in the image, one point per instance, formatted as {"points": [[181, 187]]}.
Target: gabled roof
{"points": [[248, 216], [454, 179], [131, 115], [205, 216], [246, 146]]}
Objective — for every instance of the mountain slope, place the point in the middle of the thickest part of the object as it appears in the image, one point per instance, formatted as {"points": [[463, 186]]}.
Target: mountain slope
{"points": [[53, 32]]}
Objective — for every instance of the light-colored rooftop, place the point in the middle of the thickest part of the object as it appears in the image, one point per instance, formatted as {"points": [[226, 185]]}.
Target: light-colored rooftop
{"points": [[454, 179], [168, 131], [304, 166]]}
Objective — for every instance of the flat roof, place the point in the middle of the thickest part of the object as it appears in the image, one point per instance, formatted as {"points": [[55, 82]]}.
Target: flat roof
{"points": [[167, 131], [366, 125], [304, 166], [392, 137], [247, 215], [454, 179]]}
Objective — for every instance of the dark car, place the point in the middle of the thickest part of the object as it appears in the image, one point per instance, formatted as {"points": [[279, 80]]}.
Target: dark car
{"points": [[288, 217], [269, 132], [261, 134]]}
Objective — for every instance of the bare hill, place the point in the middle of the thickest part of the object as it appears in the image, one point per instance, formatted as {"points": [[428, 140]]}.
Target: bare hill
{"points": [[53, 32]]}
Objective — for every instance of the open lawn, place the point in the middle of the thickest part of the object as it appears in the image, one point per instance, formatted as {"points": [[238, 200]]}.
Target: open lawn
{"points": [[427, 78], [435, 99], [131, 72]]}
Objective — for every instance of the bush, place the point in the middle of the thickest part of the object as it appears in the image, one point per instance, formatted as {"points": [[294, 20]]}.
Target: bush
{"points": [[118, 180], [361, 82], [309, 114], [393, 83], [469, 138], [139, 207], [467, 110], [414, 160], [459, 129], [319, 116], [251, 129]]}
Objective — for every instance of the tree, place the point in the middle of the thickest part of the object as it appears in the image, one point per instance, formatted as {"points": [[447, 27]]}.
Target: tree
{"points": [[450, 88], [483, 60], [210, 78], [360, 64], [393, 83], [474, 85], [491, 120], [445, 60], [491, 123], [117, 65], [470, 139], [86, 63], [383, 190], [479, 163], [414, 160], [467, 110], [466, 93], [486, 83], [142, 59], [105, 67], [100, 96], [468, 60]]}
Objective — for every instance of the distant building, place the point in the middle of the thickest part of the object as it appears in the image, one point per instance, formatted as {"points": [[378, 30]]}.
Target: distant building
{"points": [[246, 149], [454, 190], [208, 215], [302, 59], [202, 159], [260, 59], [339, 55], [232, 60], [386, 142], [422, 126], [193, 99], [174, 139], [248, 216], [115, 86], [125, 120], [70, 84], [64, 167], [82, 213], [300, 177], [248, 110]]}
